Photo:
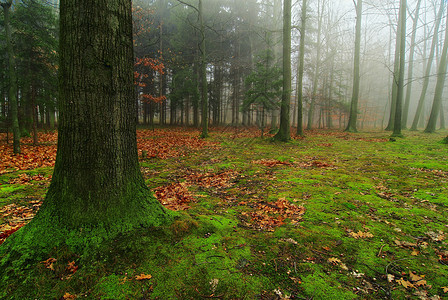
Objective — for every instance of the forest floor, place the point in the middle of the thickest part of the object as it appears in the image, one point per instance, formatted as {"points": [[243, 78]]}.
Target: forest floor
{"points": [[330, 216]]}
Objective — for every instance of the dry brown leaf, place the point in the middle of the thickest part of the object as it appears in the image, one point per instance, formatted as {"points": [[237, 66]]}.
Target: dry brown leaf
{"points": [[334, 261], [415, 277], [420, 283], [360, 235], [405, 283], [143, 277], [405, 244]]}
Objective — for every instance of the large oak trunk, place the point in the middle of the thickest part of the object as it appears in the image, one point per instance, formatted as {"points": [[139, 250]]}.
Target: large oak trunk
{"points": [[97, 180]]}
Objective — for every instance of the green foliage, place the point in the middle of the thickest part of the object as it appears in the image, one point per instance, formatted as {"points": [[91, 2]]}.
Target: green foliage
{"points": [[264, 84]]}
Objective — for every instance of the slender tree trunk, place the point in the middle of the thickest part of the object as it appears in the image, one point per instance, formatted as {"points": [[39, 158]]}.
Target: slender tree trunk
{"points": [[300, 71], [441, 75], [353, 117], [401, 34], [283, 133], [421, 101], [12, 95], [442, 117], [393, 103], [34, 113], [411, 67], [317, 66], [204, 100]]}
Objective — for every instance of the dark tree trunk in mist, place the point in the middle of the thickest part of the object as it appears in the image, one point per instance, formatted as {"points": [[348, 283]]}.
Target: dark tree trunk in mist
{"points": [[283, 133], [300, 71], [353, 117], [420, 106], [204, 99], [97, 189], [12, 94], [441, 75], [401, 34], [410, 67]]}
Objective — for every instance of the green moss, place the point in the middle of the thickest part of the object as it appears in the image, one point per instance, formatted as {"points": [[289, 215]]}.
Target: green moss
{"points": [[322, 286]]}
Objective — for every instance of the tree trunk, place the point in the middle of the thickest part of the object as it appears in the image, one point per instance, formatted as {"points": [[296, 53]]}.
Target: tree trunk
{"points": [[283, 133], [441, 75], [353, 117], [97, 189], [410, 67], [34, 113], [421, 101], [204, 93], [317, 67], [442, 117], [401, 34], [12, 95], [300, 71]]}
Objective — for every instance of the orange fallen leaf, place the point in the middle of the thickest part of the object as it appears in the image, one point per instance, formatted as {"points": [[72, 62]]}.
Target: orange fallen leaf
{"points": [[69, 296], [49, 263], [405, 283], [71, 267], [445, 289], [143, 277]]}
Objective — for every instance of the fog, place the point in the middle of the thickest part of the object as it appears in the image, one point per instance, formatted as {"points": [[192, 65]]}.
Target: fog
{"points": [[239, 34]]}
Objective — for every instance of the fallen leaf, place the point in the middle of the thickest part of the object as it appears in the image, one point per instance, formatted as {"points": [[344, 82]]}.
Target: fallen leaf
{"points": [[405, 283], [360, 235], [143, 277], [49, 263], [71, 267], [415, 277], [445, 289], [68, 296], [334, 260], [390, 277], [420, 283]]}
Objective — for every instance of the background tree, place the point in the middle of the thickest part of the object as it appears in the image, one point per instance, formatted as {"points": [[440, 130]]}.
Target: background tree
{"points": [[353, 117], [283, 133], [301, 70], [401, 35], [12, 94], [429, 63], [264, 86], [441, 75]]}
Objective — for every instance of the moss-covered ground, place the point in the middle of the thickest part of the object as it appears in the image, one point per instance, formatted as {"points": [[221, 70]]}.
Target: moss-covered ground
{"points": [[330, 216]]}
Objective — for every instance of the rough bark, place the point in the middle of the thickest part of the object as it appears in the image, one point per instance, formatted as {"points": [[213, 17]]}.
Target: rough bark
{"points": [[97, 190]]}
